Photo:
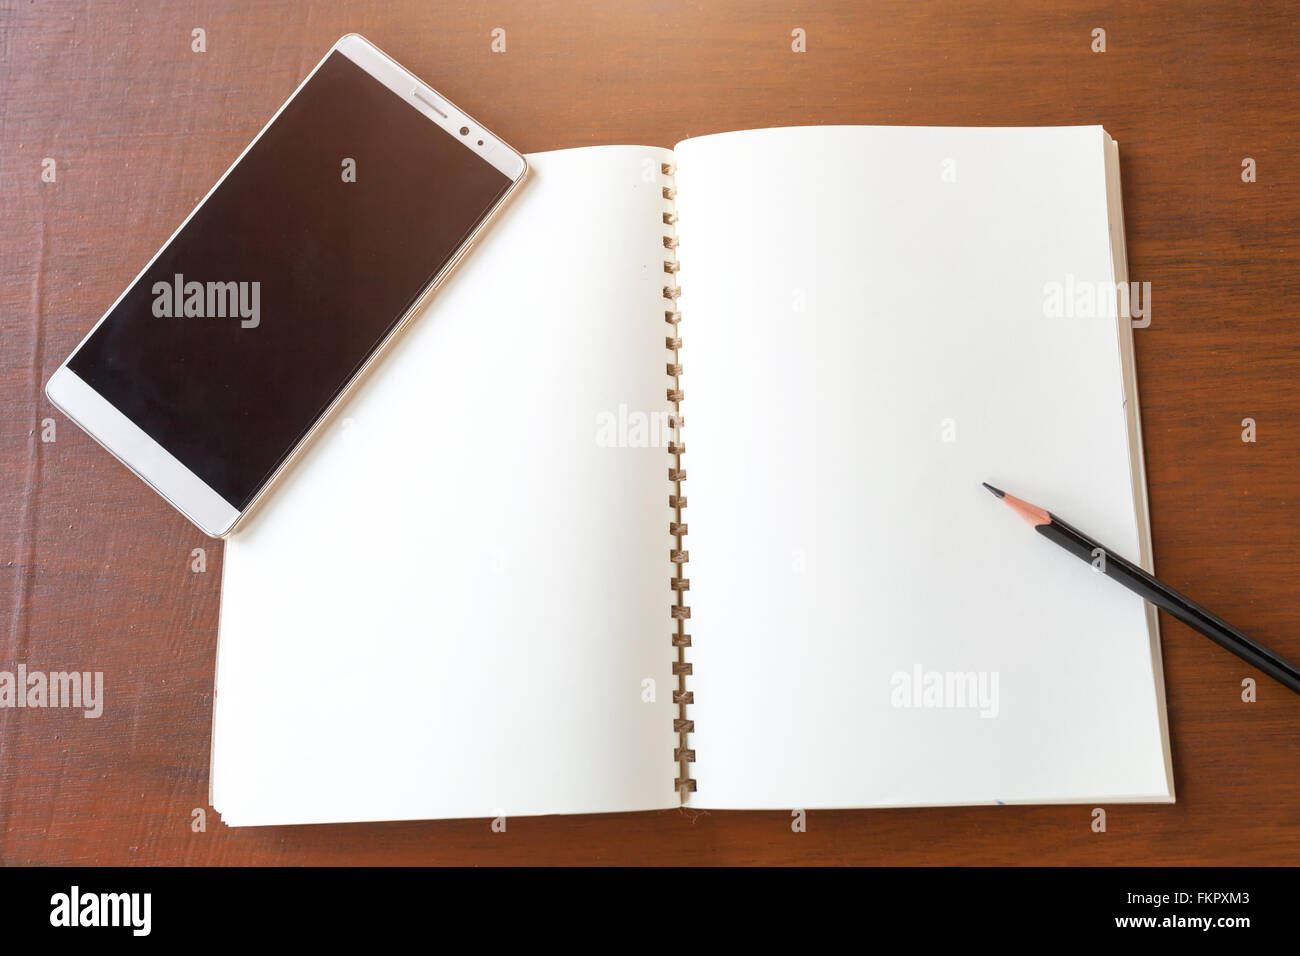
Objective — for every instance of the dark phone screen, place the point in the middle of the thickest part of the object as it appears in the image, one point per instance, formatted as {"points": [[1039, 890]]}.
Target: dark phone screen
{"points": [[260, 311]]}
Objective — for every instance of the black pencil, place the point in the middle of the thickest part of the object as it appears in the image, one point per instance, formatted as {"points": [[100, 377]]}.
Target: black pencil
{"points": [[1161, 595]]}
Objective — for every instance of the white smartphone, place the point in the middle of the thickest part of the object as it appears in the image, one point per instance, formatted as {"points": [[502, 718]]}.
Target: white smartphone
{"points": [[328, 233]]}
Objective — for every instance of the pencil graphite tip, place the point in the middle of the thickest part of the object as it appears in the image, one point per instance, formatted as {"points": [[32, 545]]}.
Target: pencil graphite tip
{"points": [[1031, 513]]}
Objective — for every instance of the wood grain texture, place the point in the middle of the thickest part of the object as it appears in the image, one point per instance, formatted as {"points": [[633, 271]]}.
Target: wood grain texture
{"points": [[95, 569]]}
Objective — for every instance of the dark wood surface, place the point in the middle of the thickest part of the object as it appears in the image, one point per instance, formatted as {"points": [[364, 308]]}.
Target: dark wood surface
{"points": [[95, 569]]}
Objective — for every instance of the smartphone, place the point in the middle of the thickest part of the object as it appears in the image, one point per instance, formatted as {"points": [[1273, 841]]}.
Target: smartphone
{"points": [[325, 237]]}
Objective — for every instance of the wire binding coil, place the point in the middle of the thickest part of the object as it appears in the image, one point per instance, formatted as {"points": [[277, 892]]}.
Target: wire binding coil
{"points": [[678, 556]]}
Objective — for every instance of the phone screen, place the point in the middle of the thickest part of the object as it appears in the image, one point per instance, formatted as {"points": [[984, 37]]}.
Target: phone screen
{"points": [[284, 282]]}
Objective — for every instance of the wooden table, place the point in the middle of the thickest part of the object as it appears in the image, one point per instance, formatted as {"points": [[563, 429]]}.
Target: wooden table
{"points": [[96, 570]]}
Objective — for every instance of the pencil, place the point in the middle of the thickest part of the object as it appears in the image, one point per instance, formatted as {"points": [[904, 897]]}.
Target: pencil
{"points": [[1161, 595]]}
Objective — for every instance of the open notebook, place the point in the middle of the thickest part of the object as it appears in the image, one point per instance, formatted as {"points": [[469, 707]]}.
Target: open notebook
{"points": [[520, 612]]}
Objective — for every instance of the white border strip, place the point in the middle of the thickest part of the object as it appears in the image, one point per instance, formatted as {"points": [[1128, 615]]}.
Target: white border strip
{"points": [[126, 442]]}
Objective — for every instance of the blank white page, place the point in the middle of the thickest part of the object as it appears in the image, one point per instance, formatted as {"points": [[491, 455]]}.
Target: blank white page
{"points": [[453, 603], [865, 342]]}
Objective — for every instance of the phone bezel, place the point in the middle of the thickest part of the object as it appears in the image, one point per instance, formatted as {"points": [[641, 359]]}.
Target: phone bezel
{"points": [[149, 460]]}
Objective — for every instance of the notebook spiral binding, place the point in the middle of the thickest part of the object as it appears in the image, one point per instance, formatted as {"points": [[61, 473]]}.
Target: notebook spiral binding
{"points": [[678, 556]]}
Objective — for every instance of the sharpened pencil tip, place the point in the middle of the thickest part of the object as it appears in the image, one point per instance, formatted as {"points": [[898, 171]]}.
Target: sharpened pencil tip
{"points": [[1031, 513]]}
